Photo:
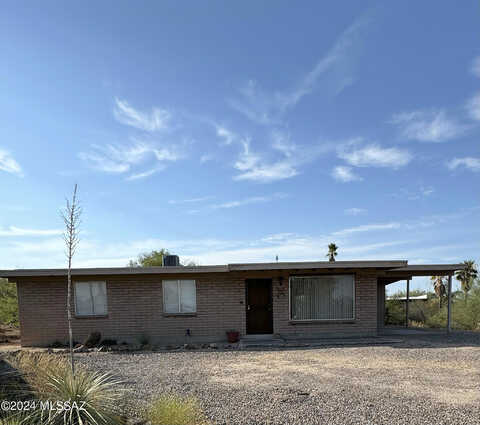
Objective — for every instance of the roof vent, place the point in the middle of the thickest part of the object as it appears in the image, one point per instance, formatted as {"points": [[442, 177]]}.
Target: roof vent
{"points": [[171, 261]]}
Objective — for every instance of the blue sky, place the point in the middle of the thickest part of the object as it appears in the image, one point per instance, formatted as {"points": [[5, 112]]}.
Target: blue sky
{"points": [[235, 132]]}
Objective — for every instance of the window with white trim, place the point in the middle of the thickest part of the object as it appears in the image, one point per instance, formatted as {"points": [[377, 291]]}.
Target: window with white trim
{"points": [[322, 297], [90, 298], [179, 296]]}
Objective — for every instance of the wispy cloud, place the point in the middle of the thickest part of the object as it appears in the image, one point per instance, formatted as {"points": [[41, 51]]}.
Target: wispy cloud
{"points": [[8, 163], [473, 107], [190, 201], [144, 174], [470, 163], [206, 157], [281, 162], [475, 69], [367, 228], [414, 194], [19, 231], [428, 126], [243, 202], [152, 121], [374, 156], [226, 135], [337, 65], [369, 241], [118, 159], [345, 174], [253, 166], [355, 211], [251, 200]]}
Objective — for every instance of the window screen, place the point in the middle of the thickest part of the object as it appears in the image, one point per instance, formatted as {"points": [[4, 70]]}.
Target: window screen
{"points": [[322, 297], [179, 296], [90, 298]]}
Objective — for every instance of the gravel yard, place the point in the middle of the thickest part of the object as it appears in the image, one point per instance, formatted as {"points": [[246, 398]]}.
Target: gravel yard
{"points": [[420, 381]]}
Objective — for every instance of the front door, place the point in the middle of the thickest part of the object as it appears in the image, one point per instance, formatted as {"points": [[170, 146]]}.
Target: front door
{"points": [[259, 306]]}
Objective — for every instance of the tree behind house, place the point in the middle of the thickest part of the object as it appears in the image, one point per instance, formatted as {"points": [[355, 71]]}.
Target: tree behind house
{"points": [[467, 276], [154, 258]]}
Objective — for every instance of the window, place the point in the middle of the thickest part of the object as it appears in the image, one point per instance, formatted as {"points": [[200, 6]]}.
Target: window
{"points": [[322, 298], [90, 299], [179, 296]]}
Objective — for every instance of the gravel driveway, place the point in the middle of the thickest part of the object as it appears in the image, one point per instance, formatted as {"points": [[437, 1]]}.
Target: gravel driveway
{"points": [[421, 381]]}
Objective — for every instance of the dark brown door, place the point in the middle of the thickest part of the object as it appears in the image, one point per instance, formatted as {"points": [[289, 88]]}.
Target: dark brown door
{"points": [[259, 306]]}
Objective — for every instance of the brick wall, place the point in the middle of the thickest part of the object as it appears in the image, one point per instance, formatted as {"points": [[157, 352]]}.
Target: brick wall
{"points": [[135, 308], [365, 322]]}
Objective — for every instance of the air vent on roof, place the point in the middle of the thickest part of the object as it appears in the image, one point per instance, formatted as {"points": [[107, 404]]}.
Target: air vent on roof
{"points": [[171, 261]]}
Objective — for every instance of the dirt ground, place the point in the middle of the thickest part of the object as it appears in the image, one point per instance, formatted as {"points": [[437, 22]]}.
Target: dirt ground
{"points": [[418, 381]]}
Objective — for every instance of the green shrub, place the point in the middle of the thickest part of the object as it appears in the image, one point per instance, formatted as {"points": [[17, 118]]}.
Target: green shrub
{"points": [[171, 409], [144, 339], [8, 303]]}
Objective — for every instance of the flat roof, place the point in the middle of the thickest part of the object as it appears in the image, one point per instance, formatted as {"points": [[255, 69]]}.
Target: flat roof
{"points": [[303, 265], [391, 269]]}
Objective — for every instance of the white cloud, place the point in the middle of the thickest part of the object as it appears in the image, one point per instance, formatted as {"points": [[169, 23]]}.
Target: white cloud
{"points": [[8, 163], [336, 66], [475, 69], [118, 159], [473, 164], [367, 228], [281, 162], [150, 122], [251, 200], [414, 194], [427, 126], [375, 156], [345, 174], [225, 134], [206, 157], [253, 166], [243, 202], [191, 200], [367, 242], [19, 231], [355, 211], [144, 174], [473, 107]]}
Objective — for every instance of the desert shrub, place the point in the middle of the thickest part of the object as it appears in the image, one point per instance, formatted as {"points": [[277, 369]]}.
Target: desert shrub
{"points": [[108, 342], [171, 409], [144, 339], [437, 320], [94, 399], [8, 303], [93, 339], [49, 377]]}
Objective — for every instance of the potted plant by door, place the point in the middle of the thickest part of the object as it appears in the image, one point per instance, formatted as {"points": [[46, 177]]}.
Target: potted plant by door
{"points": [[233, 336]]}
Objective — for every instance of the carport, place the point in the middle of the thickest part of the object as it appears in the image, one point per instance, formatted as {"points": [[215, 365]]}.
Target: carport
{"points": [[407, 273]]}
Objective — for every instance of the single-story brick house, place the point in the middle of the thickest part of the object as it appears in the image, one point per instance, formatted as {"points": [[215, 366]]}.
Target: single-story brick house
{"points": [[176, 304]]}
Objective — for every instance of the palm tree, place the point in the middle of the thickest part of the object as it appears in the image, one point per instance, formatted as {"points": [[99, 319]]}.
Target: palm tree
{"points": [[466, 276], [332, 252], [439, 287]]}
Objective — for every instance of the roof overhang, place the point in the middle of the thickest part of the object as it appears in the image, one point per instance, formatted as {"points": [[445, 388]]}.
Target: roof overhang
{"points": [[410, 271], [388, 271], [244, 267]]}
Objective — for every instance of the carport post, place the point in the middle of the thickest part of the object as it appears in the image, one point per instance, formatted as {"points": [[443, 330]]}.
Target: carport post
{"points": [[449, 304], [407, 303]]}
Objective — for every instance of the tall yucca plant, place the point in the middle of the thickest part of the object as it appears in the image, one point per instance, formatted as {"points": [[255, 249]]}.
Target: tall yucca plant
{"points": [[71, 217], [466, 276]]}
